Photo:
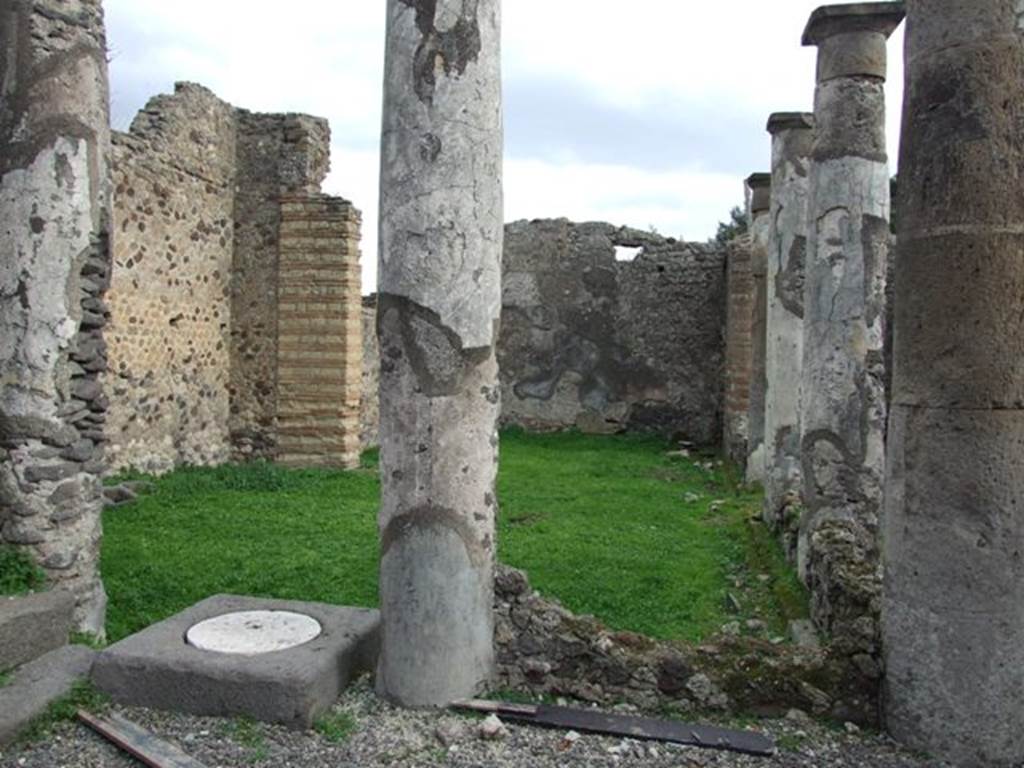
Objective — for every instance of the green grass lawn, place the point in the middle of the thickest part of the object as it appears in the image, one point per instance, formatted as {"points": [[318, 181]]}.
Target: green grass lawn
{"points": [[615, 526]]}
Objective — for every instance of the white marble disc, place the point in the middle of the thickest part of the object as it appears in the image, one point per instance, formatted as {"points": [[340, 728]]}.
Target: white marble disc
{"points": [[249, 633]]}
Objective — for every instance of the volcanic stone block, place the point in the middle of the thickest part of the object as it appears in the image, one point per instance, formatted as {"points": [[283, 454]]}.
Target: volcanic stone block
{"points": [[38, 684], [953, 627], [157, 668], [32, 625]]}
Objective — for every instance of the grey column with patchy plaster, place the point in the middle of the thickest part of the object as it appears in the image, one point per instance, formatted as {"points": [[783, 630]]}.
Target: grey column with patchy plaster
{"points": [[54, 267], [954, 588], [441, 236], [792, 135], [759, 203], [842, 386]]}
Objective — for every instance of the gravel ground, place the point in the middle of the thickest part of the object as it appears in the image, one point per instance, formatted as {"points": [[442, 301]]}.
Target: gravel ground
{"points": [[386, 736]]}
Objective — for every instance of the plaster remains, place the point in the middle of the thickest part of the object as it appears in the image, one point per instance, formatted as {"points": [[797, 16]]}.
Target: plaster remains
{"points": [[601, 345], [605, 345]]}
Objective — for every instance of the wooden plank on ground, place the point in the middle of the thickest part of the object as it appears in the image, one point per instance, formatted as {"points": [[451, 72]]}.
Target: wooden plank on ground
{"points": [[138, 742], [630, 726]]}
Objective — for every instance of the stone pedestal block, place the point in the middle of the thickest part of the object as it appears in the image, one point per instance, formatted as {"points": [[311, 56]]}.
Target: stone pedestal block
{"points": [[157, 668]]}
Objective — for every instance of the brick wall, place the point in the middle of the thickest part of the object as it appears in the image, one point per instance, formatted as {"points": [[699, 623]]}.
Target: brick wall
{"points": [[738, 349], [319, 333]]}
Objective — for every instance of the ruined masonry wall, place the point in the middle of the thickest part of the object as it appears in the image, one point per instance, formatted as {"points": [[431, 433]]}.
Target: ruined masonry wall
{"points": [[277, 155], [169, 333], [597, 344], [193, 333], [606, 345]]}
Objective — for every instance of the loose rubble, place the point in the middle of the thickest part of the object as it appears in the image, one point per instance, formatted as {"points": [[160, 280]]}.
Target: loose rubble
{"points": [[388, 736]]}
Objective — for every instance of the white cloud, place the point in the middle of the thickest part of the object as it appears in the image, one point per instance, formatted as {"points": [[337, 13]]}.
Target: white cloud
{"points": [[325, 57]]}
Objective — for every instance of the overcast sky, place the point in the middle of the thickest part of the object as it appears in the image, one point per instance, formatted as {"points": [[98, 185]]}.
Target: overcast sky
{"points": [[648, 113]]}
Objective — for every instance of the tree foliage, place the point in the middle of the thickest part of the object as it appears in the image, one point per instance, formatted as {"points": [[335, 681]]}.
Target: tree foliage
{"points": [[728, 230]]}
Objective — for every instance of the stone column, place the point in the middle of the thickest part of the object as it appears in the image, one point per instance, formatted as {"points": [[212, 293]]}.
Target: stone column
{"points": [[842, 386], [441, 234], [954, 525], [792, 134], [759, 203], [738, 317], [54, 269]]}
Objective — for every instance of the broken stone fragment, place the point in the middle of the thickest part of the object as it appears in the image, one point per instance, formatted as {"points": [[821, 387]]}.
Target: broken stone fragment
{"points": [[118, 495], [51, 472], [492, 729], [86, 389], [19, 531], [82, 451]]}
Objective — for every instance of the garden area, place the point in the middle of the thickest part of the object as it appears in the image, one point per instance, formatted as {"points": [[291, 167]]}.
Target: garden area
{"points": [[644, 535]]}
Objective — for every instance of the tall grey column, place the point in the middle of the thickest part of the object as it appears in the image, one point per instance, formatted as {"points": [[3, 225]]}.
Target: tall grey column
{"points": [[842, 386], [792, 134], [54, 269], [759, 203], [441, 233], [954, 529]]}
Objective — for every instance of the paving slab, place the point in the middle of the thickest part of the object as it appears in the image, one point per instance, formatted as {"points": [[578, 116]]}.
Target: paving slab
{"points": [[32, 625], [34, 686], [158, 668]]}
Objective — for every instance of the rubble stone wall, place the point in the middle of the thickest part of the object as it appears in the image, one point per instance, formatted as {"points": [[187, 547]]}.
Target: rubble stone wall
{"points": [[277, 155], [174, 175], [194, 295], [543, 648], [604, 345], [598, 344]]}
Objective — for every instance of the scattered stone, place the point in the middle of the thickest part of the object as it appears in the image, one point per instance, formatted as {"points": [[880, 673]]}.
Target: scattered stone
{"points": [[451, 731], [118, 495], [492, 729], [756, 626], [732, 629], [851, 728], [799, 717], [568, 741], [804, 634]]}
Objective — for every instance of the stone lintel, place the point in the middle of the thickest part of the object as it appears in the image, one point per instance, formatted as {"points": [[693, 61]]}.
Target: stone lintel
{"points": [[874, 18], [760, 186], [790, 121]]}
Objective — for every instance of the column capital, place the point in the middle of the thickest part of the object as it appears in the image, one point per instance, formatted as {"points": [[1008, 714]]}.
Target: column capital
{"points": [[790, 121], [852, 37], [760, 186]]}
